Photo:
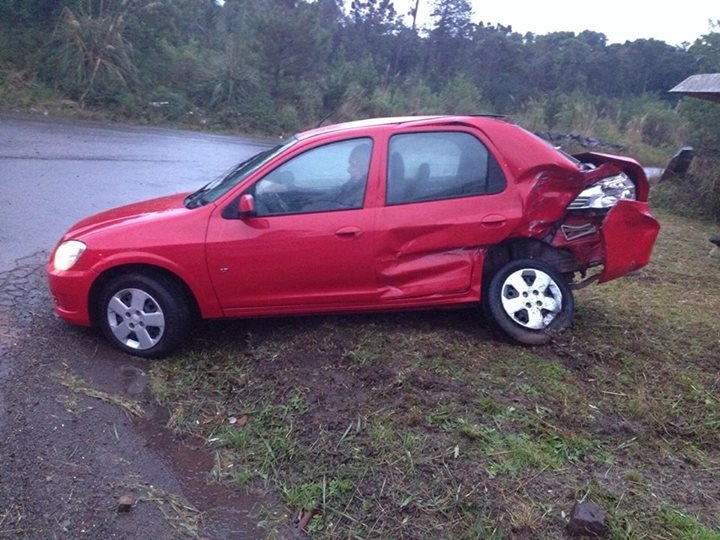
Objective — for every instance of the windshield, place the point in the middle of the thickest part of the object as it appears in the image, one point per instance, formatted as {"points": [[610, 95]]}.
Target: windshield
{"points": [[224, 183]]}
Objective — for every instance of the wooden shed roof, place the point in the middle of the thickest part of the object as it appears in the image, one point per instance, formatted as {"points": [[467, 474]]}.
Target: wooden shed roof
{"points": [[704, 86]]}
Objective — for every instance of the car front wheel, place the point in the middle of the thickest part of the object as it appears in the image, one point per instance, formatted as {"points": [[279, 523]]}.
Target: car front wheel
{"points": [[530, 301], [144, 315]]}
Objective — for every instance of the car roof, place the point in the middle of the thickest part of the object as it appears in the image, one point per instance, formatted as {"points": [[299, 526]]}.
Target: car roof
{"points": [[427, 120], [503, 132]]}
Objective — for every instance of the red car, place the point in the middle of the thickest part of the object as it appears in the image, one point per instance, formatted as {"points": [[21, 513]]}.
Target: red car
{"points": [[382, 214]]}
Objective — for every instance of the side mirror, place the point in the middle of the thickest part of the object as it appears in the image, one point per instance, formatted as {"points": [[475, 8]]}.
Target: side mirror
{"points": [[246, 206]]}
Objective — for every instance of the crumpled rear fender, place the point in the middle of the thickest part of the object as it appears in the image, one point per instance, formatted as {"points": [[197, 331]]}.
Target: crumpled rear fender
{"points": [[553, 188], [628, 235]]}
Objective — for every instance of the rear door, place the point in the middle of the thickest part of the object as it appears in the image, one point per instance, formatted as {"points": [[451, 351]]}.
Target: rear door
{"points": [[446, 199]]}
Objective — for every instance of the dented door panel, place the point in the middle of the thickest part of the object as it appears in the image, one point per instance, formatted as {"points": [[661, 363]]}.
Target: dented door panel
{"points": [[441, 253], [419, 275]]}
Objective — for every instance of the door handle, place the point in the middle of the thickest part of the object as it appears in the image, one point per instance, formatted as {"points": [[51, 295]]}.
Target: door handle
{"points": [[493, 220], [348, 232]]}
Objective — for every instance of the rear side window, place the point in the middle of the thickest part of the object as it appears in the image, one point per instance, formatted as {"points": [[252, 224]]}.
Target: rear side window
{"points": [[440, 165]]}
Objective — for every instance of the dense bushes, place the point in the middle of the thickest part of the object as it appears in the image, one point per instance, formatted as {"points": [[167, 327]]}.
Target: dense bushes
{"points": [[277, 66], [698, 193], [301, 61]]}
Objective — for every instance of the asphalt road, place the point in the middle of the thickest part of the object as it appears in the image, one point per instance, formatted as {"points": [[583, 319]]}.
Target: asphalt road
{"points": [[55, 172]]}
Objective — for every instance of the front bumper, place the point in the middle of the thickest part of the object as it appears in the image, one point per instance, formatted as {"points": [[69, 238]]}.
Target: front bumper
{"points": [[70, 291]]}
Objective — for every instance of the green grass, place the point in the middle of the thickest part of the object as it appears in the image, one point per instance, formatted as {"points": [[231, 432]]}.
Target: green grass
{"points": [[430, 425]]}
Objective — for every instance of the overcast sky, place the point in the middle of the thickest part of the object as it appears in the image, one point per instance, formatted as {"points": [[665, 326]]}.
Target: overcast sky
{"points": [[620, 20]]}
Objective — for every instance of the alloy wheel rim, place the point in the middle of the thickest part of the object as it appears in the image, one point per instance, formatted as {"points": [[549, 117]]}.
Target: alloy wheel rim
{"points": [[135, 319], [531, 298]]}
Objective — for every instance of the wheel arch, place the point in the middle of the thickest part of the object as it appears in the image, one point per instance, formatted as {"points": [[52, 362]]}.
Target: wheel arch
{"points": [[146, 269], [526, 248]]}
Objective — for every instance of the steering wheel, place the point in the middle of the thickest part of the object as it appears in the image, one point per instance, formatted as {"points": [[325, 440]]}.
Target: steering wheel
{"points": [[275, 203]]}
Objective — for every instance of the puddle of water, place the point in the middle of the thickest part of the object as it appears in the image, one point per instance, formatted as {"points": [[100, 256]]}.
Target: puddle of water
{"points": [[227, 512]]}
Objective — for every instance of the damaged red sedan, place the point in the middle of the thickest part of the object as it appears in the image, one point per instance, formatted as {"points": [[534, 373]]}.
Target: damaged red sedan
{"points": [[383, 214]]}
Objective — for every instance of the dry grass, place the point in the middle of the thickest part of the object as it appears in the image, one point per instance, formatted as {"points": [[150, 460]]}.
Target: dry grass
{"points": [[78, 386], [184, 519]]}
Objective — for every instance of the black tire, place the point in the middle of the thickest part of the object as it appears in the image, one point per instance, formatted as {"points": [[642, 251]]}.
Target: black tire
{"points": [[144, 315], [530, 301]]}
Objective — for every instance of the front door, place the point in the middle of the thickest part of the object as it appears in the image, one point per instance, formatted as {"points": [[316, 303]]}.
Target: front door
{"points": [[309, 248]]}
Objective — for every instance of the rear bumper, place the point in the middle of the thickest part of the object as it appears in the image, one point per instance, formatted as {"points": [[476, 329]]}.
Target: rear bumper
{"points": [[628, 236]]}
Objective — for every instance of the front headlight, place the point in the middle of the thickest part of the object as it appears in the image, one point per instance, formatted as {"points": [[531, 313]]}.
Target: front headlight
{"points": [[605, 193], [67, 254]]}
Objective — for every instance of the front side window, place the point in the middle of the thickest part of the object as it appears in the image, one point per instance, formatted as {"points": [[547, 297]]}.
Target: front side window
{"points": [[326, 178], [440, 165]]}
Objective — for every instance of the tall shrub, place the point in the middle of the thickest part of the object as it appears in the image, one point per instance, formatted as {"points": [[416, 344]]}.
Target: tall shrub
{"points": [[91, 57]]}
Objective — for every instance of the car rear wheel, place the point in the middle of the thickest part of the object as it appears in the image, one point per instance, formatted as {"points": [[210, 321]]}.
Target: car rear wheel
{"points": [[530, 301], [144, 315]]}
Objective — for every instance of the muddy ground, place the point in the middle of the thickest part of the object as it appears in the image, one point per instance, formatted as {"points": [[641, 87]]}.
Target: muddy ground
{"points": [[70, 449]]}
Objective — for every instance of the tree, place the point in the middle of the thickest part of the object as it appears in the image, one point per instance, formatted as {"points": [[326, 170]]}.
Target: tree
{"points": [[265, 64], [498, 66], [369, 29], [453, 18], [558, 62], [291, 44], [707, 50], [24, 27], [448, 42]]}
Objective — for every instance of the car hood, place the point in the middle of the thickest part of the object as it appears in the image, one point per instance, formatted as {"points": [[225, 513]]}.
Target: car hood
{"points": [[129, 215]]}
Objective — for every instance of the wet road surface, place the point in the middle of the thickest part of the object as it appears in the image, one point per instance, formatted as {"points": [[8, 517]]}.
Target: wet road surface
{"points": [[55, 172]]}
